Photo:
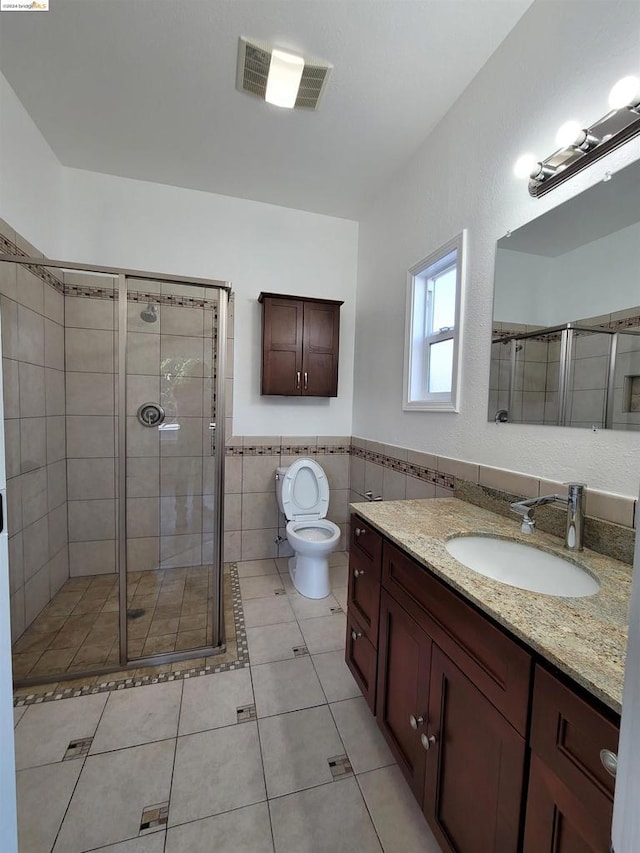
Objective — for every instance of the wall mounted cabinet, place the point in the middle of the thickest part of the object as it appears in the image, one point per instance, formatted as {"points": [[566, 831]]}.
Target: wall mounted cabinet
{"points": [[300, 342], [501, 755]]}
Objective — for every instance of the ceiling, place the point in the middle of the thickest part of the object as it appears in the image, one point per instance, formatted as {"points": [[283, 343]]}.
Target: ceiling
{"points": [[146, 89]]}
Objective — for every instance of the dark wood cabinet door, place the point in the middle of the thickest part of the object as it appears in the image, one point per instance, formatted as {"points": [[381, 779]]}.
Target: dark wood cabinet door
{"points": [[557, 821], [282, 328], [474, 768], [321, 332], [403, 685], [362, 659]]}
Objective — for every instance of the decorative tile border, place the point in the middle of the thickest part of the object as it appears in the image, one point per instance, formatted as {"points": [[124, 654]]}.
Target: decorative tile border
{"points": [[241, 662], [438, 478], [289, 450], [43, 273]]}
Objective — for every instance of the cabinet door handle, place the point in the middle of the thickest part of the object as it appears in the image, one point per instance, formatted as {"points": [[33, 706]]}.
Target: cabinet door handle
{"points": [[355, 635], [297, 380], [414, 721], [358, 573], [306, 381], [360, 531], [428, 742], [609, 761]]}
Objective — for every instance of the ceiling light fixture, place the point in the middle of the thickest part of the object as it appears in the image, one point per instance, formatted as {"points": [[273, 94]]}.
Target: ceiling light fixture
{"points": [[283, 80], [580, 146], [280, 77]]}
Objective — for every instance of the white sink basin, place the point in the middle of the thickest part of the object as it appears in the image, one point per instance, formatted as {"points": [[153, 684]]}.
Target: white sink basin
{"points": [[520, 565]]}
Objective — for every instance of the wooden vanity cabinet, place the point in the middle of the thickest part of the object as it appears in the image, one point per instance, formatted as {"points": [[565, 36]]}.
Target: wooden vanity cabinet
{"points": [[494, 770], [570, 800], [300, 343]]}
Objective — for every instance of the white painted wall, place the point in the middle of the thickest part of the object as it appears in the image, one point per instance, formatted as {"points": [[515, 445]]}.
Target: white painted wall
{"points": [[255, 246], [462, 178], [30, 174]]}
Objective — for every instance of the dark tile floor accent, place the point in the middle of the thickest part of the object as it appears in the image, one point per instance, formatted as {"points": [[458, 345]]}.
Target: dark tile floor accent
{"points": [[300, 651], [154, 817], [235, 657], [336, 609], [247, 713], [78, 748], [340, 766]]}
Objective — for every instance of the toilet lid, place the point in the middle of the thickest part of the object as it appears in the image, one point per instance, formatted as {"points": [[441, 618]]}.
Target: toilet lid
{"points": [[305, 491]]}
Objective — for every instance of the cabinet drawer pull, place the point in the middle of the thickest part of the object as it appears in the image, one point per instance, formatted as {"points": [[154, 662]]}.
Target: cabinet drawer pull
{"points": [[297, 380], [355, 635], [609, 761], [358, 573], [306, 381], [414, 722], [360, 531], [428, 742]]}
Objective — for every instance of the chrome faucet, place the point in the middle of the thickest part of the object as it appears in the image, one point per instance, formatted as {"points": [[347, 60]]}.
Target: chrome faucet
{"points": [[575, 503]]}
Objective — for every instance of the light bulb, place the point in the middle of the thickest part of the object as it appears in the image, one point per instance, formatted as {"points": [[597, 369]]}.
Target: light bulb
{"points": [[625, 93], [569, 134], [283, 80], [524, 165]]}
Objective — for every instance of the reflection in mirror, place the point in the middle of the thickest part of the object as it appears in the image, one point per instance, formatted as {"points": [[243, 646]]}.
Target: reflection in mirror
{"points": [[566, 318]]}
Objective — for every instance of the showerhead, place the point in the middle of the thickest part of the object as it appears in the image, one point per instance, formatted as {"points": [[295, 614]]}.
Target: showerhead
{"points": [[149, 314]]}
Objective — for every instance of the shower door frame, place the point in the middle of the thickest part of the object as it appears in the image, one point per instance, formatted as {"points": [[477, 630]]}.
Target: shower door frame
{"points": [[223, 289]]}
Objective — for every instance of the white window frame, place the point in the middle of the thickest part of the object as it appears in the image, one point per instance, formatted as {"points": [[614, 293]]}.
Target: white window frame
{"points": [[417, 341]]}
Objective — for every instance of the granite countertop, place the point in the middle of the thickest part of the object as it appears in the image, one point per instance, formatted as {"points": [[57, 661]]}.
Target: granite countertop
{"points": [[584, 637]]}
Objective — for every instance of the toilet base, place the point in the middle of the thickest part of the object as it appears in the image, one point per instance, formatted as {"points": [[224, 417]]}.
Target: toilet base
{"points": [[310, 575]]}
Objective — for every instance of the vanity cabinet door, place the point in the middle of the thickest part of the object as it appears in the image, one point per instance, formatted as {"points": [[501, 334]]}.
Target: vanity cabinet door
{"points": [[364, 595], [474, 767], [320, 336], [557, 822], [404, 659]]}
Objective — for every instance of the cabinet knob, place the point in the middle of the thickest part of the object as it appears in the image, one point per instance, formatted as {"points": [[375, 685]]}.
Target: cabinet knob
{"points": [[360, 531], [414, 722], [358, 573], [428, 742], [609, 761], [355, 635]]}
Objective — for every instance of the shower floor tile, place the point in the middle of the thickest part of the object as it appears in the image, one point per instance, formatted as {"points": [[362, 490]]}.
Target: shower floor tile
{"points": [[78, 629]]}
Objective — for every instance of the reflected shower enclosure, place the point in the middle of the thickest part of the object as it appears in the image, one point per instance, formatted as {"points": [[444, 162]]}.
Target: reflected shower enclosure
{"points": [[113, 389]]}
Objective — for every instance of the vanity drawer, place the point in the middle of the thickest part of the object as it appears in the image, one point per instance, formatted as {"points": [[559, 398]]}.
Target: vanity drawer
{"points": [[494, 662], [568, 734], [364, 594], [362, 659], [366, 542]]}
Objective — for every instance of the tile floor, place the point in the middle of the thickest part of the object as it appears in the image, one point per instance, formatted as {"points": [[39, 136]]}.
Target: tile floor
{"points": [[78, 629], [282, 756]]}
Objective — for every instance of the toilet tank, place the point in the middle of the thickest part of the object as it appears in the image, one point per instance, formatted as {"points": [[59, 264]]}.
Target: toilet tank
{"points": [[280, 472]]}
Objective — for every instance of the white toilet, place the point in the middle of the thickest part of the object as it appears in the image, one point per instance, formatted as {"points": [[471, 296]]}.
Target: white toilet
{"points": [[303, 497]]}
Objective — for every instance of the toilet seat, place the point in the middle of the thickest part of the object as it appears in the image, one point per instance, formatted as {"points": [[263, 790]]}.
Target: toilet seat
{"points": [[305, 491]]}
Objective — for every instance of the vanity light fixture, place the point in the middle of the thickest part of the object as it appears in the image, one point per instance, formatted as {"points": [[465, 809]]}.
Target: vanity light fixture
{"points": [[579, 146]]}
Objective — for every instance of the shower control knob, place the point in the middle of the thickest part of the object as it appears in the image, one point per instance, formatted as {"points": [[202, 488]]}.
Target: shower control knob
{"points": [[355, 635], [151, 414], [357, 573]]}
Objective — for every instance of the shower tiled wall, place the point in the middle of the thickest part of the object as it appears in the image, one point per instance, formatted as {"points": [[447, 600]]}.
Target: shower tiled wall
{"points": [[252, 519], [91, 385], [32, 311]]}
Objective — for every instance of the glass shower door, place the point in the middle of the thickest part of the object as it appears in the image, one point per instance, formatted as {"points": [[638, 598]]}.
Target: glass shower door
{"points": [[172, 540]]}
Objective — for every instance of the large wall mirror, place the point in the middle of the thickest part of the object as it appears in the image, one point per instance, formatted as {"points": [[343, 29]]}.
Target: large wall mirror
{"points": [[566, 314]]}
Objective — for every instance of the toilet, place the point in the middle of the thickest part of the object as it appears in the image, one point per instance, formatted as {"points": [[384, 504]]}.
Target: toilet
{"points": [[303, 496]]}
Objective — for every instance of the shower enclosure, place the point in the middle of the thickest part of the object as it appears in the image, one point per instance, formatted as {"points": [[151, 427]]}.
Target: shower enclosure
{"points": [[114, 384]]}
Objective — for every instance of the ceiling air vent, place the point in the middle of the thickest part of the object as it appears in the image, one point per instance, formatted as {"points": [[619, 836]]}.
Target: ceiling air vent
{"points": [[253, 68]]}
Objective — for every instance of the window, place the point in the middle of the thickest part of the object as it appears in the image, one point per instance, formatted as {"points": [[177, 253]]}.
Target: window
{"points": [[432, 333]]}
